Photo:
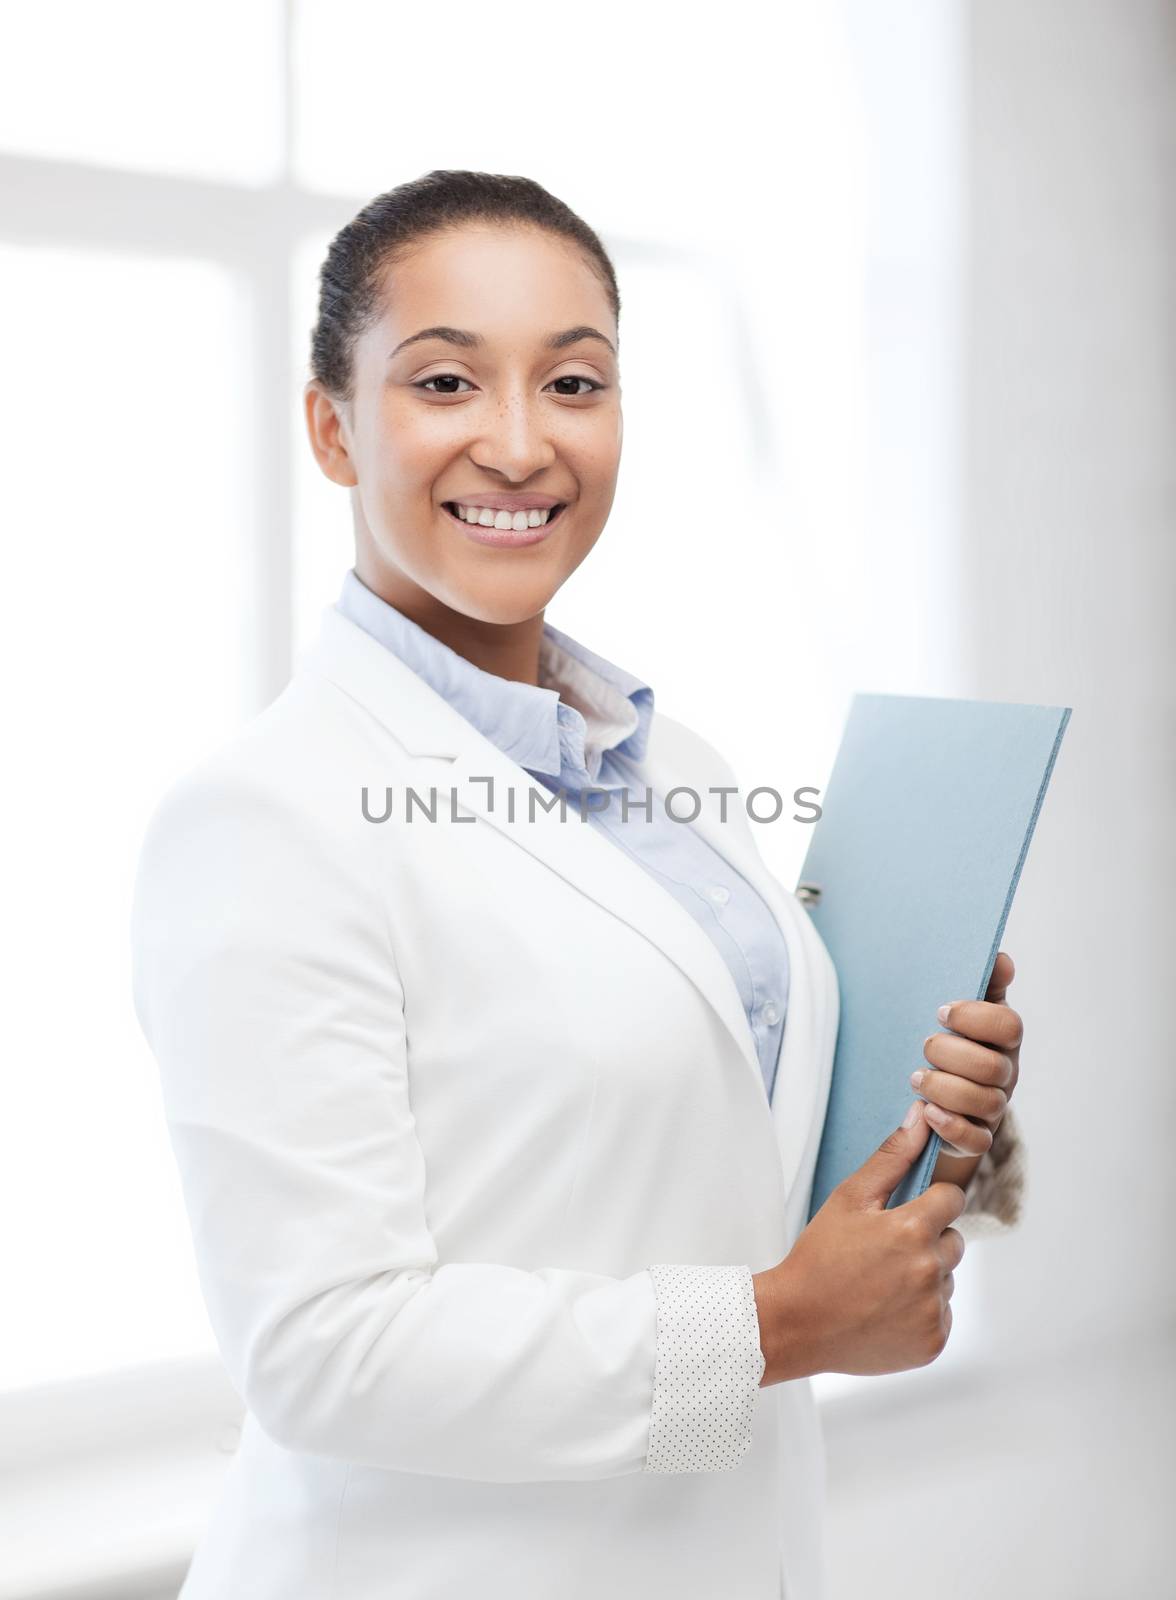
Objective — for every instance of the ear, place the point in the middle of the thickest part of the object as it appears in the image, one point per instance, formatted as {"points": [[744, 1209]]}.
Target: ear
{"points": [[327, 429]]}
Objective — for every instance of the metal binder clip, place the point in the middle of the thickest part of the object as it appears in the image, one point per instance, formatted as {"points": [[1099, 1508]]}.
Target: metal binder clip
{"points": [[809, 894]]}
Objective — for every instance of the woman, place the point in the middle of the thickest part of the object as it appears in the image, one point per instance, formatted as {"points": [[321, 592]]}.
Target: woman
{"points": [[496, 1119]]}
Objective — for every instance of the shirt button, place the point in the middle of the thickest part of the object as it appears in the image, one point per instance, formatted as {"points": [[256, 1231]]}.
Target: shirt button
{"points": [[718, 894], [770, 1015]]}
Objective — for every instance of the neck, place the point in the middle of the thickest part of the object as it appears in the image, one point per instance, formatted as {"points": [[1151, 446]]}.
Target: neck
{"points": [[507, 649]]}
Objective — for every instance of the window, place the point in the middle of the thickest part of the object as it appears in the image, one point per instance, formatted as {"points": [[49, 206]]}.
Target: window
{"points": [[125, 625]]}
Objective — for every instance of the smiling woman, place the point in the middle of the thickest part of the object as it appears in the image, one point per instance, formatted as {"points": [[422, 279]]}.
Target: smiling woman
{"points": [[509, 402], [496, 1141]]}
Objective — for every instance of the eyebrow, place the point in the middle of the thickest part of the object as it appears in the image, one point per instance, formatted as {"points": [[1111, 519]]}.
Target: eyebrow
{"points": [[471, 341]]}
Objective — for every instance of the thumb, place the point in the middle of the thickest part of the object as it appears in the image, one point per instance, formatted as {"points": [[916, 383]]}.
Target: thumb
{"points": [[880, 1174]]}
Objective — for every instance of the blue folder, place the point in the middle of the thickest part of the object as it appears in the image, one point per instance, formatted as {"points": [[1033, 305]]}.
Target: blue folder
{"points": [[909, 877]]}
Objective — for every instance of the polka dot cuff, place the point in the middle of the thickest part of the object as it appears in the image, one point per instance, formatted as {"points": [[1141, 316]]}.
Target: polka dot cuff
{"points": [[707, 1368]]}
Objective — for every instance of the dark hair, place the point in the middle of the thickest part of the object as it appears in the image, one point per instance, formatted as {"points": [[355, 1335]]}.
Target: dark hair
{"points": [[383, 232]]}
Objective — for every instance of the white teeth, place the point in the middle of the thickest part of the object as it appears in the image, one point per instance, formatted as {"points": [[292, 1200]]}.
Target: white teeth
{"points": [[517, 520]]}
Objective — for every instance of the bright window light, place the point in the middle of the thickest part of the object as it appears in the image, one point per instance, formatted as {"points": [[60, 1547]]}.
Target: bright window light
{"points": [[124, 639], [148, 87]]}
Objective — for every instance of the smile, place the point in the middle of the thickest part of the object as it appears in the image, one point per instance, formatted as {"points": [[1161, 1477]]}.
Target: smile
{"points": [[486, 517], [504, 528]]}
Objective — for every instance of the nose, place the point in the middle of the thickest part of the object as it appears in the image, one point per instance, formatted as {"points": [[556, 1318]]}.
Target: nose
{"points": [[514, 440]]}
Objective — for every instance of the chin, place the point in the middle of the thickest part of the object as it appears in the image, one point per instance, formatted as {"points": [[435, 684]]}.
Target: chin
{"points": [[503, 598]]}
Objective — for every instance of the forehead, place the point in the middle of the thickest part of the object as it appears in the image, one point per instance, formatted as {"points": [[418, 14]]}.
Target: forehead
{"points": [[504, 283]]}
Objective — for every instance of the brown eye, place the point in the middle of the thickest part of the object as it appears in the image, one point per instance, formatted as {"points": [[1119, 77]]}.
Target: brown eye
{"points": [[576, 378], [441, 377]]}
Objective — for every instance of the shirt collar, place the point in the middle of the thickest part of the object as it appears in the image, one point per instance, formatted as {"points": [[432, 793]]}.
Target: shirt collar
{"points": [[583, 706]]}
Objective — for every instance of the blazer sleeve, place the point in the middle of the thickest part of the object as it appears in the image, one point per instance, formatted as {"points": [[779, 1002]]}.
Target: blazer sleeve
{"points": [[265, 983]]}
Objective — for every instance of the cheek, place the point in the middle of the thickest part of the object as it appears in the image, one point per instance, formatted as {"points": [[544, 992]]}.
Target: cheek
{"points": [[602, 445], [581, 539], [413, 446]]}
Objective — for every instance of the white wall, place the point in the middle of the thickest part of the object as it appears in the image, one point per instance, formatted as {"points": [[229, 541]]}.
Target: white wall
{"points": [[1071, 580]]}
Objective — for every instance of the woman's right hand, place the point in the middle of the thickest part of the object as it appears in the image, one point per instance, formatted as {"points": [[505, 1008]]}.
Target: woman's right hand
{"points": [[864, 1289]]}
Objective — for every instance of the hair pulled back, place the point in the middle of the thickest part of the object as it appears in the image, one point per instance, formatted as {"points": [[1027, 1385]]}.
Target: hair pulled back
{"points": [[351, 276]]}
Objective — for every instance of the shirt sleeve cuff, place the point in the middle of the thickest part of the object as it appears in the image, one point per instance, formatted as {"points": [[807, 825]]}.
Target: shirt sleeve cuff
{"points": [[707, 1369], [997, 1191]]}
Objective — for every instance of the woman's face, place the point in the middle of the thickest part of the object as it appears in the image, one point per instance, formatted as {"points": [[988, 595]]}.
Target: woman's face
{"points": [[520, 396]]}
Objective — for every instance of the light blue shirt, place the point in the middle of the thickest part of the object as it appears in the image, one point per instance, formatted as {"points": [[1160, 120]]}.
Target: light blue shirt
{"points": [[583, 725]]}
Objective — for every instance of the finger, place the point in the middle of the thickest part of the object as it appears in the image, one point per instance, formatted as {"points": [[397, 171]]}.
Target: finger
{"points": [[880, 1173], [984, 1021], [952, 1093], [974, 1138], [1003, 973], [951, 1052], [951, 1248], [938, 1206]]}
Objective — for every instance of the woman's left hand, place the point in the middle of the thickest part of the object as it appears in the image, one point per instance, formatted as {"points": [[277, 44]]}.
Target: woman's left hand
{"points": [[977, 1066]]}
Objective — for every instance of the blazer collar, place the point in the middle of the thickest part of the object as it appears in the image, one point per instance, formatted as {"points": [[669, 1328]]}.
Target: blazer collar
{"points": [[458, 758]]}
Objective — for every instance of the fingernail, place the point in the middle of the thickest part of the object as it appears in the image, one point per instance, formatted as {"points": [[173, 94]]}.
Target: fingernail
{"points": [[934, 1112], [943, 1013], [912, 1115], [917, 1078]]}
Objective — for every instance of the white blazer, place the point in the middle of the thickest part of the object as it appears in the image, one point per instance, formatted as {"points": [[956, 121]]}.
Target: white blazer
{"points": [[439, 1094]]}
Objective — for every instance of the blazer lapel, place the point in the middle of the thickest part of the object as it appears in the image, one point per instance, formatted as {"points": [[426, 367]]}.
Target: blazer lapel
{"points": [[804, 1069], [593, 864], [462, 760], [455, 757]]}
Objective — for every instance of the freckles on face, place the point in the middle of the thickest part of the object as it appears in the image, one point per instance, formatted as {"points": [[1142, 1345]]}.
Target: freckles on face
{"points": [[491, 409]]}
